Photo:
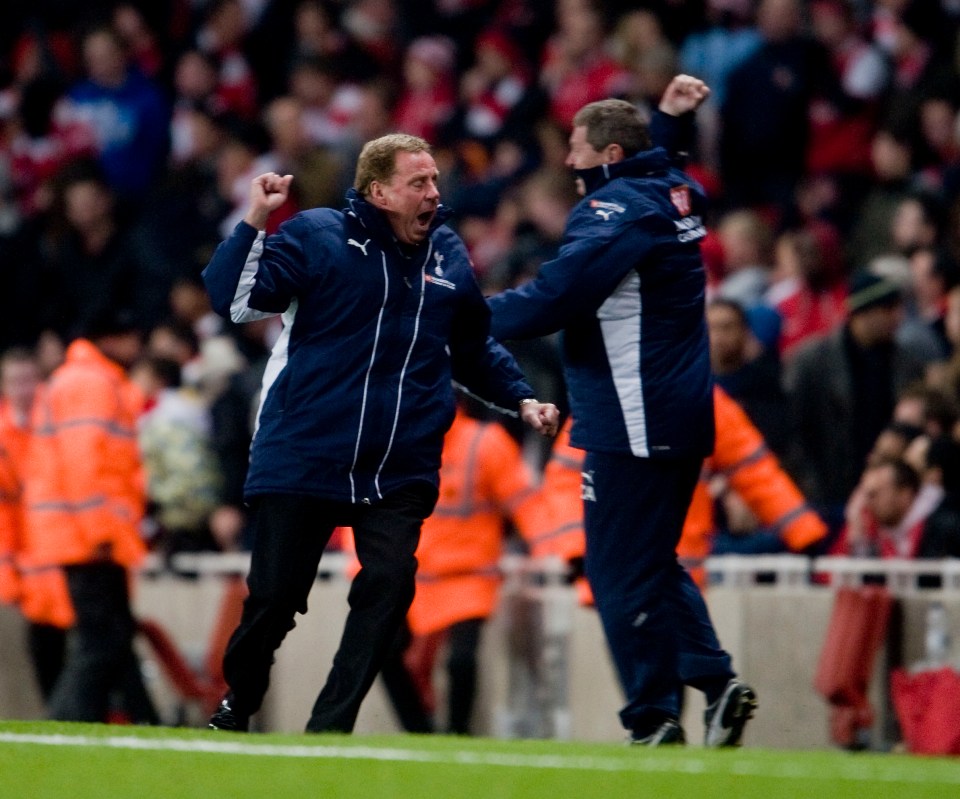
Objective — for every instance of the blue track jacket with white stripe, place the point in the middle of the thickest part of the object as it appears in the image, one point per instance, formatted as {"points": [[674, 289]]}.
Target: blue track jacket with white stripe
{"points": [[357, 394], [627, 290]]}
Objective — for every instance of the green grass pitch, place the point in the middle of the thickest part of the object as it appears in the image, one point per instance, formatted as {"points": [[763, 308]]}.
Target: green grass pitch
{"points": [[41, 760]]}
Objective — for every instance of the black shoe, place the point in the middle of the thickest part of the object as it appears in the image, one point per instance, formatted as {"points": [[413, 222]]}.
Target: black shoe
{"points": [[668, 732], [226, 718], [725, 719]]}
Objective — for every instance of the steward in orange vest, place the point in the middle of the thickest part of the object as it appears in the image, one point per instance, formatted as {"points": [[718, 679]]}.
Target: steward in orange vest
{"points": [[84, 502], [755, 474], [40, 593], [484, 481], [740, 454], [84, 489]]}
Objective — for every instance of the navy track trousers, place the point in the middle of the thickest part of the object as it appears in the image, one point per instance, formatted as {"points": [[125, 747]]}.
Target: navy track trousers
{"points": [[655, 620]]}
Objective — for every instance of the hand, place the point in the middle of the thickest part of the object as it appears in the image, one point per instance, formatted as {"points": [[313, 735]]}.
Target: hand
{"points": [[542, 417], [226, 526], [685, 93], [267, 193]]}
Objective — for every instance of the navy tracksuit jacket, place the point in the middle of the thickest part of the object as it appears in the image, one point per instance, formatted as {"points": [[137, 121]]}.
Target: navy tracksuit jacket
{"points": [[627, 292], [357, 394]]}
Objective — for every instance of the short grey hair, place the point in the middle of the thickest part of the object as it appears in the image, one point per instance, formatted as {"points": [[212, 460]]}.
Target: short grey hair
{"points": [[378, 158], [614, 122]]}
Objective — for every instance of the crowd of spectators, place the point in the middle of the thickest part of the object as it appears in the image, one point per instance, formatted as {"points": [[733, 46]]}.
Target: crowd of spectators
{"points": [[830, 148]]}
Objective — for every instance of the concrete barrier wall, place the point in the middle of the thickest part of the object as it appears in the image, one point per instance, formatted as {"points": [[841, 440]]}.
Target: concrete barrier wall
{"points": [[774, 633]]}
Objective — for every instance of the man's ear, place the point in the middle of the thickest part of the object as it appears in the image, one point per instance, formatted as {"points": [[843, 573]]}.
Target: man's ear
{"points": [[613, 153], [376, 195]]}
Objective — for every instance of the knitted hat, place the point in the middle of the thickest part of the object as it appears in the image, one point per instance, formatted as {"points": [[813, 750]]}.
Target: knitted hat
{"points": [[868, 290], [110, 322]]}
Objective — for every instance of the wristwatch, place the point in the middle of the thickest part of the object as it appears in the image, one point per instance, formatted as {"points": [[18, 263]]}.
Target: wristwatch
{"points": [[527, 401]]}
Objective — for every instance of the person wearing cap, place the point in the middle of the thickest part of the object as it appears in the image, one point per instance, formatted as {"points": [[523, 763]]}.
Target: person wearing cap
{"points": [[84, 500], [841, 391]]}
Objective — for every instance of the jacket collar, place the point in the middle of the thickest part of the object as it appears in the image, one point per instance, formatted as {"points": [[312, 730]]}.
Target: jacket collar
{"points": [[82, 351], [375, 221], [645, 163]]}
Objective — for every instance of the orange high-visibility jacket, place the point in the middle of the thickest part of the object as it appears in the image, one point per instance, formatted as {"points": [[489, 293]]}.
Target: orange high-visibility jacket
{"points": [[13, 443], [754, 472], [560, 526], [84, 486], [40, 592], [740, 453], [483, 480]]}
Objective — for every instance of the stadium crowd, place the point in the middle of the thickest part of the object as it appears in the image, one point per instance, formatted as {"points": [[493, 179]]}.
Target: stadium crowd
{"points": [[829, 147]]}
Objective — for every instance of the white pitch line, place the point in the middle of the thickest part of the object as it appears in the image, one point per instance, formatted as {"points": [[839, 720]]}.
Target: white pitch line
{"points": [[855, 770]]}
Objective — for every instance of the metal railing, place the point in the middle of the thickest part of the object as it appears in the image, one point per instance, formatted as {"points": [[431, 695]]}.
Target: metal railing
{"points": [[901, 576]]}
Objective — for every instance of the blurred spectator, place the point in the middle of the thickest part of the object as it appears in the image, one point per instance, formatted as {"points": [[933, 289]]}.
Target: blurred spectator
{"points": [[639, 44], [223, 36], [320, 175], [38, 145], [841, 391], [926, 408], [40, 593], [891, 154], [175, 340], [746, 242], [810, 288], [374, 27], [940, 142], [949, 380], [195, 92], [933, 272], [921, 48], [546, 198], [92, 265], [428, 96], [712, 54], [886, 513], [747, 371], [245, 153], [894, 442], [186, 200], [139, 40], [765, 129], [918, 221], [183, 477], [329, 105], [126, 112], [841, 125], [38, 51], [317, 39], [495, 92], [941, 533], [489, 237], [372, 117], [575, 68], [87, 520], [190, 303], [233, 411]]}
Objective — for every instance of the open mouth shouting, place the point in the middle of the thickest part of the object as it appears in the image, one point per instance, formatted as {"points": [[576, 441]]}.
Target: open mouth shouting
{"points": [[424, 218]]}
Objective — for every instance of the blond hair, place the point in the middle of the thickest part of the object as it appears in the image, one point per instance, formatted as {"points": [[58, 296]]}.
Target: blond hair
{"points": [[378, 158]]}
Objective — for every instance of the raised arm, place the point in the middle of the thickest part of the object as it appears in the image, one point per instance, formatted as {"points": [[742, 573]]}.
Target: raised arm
{"points": [[232, 274], [672, 126]]}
